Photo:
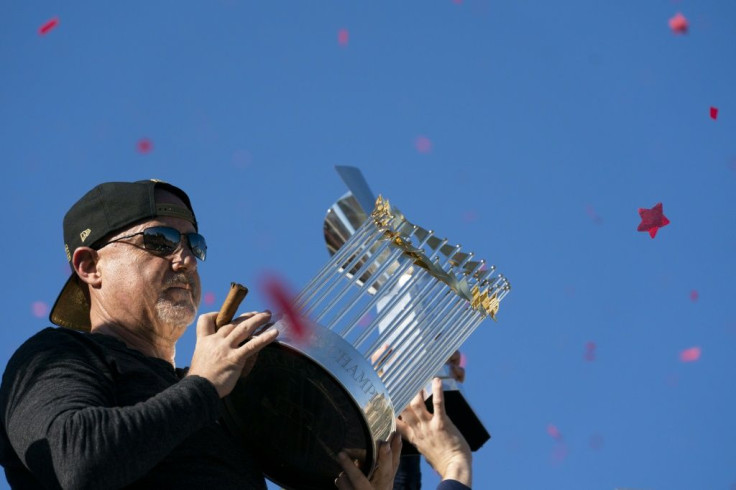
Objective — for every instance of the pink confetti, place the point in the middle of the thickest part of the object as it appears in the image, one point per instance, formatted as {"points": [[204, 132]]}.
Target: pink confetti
{"points": [[714, 113], [554, 432], [144, 145], [365, 320], [39, 309], [343, 36], [593, 215], [678, 24], [209, 298], [590, 351], [423, 144], [595, 442], [283, 301], [690, 355], [694, 295], [46, 28], [470, 216], [457, 2], [463, 360]]}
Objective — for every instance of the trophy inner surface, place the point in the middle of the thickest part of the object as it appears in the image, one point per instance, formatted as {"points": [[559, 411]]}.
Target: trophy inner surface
{"points": [[303, 403]]}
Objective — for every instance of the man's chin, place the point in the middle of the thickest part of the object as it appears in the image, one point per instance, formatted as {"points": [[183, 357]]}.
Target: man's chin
{"points": [[177, 316]]}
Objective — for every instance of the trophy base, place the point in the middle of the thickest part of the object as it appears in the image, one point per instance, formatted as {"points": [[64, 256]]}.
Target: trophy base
{"points": [[305, 402]]}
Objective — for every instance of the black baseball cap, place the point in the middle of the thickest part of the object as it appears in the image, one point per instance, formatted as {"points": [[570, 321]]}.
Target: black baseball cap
{"points": [[105, 209]]}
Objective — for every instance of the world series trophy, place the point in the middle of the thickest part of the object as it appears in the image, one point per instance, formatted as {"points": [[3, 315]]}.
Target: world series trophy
{"points": [[384, 314]]}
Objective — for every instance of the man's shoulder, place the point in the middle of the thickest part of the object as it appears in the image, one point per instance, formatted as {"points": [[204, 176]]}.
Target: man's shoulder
{"points": [[51, 343]]}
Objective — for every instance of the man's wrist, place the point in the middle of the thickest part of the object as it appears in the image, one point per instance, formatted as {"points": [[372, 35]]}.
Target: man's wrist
{"points": [[460, 469]]}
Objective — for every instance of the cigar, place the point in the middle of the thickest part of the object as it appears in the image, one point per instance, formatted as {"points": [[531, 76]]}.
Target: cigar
{"points": [[232, 302]]}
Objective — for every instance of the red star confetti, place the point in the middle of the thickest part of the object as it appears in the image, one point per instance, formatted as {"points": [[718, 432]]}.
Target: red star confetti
{"points": [[694, 295], [39, 309], [343, 36], [554, 432], [144, 145], [590, 351], [46, 28], [678, 24], [209, 298], [714, 113], [423, 144], [283, 302], [690, 355], [652, 219]]}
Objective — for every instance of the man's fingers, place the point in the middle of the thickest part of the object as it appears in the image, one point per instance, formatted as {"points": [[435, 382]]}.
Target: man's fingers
{"points": [[206, 324], [352, 472], [395, 442], [258, 342], [438, 397], [343, 483], [245, 326]]}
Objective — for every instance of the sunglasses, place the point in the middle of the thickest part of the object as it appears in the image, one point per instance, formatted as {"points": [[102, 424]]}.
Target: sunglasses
{"points": [[164, 240]]}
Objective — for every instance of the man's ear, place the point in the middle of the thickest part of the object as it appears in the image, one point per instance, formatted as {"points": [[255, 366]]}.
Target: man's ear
{"points": [[85, 261]]}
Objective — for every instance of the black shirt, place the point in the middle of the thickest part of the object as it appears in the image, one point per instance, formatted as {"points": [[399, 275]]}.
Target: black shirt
{"points": [[80, 410]]}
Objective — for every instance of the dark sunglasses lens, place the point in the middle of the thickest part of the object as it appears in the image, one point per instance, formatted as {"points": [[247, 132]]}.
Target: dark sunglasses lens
{"points": [[161, 239], [198, 245]]}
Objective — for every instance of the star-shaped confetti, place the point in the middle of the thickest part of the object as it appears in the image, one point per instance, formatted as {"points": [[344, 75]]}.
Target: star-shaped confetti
{"points": [[46, 28], [652, 219], [679, 24]]}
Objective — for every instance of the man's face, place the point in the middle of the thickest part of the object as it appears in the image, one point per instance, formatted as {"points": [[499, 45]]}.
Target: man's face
{"points": [[144, 290]]}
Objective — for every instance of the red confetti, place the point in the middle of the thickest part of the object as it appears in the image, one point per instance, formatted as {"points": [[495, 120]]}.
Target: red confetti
{"points": [[690, 355], [209, 298], [145, 145], [554, 432], [694, 295], [343, 37], [46, 28], [283, 302], [714, 113], [678, 24], [652, 219], [39, 309], [590, 351], [423, 144]]}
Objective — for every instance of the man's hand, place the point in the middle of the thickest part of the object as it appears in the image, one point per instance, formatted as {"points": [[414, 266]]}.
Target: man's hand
{"points": [[436, 437], [219, 355], [383, 477], [457, 371]]}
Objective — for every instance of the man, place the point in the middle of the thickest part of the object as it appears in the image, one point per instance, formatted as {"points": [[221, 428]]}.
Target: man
{"points": [[99, 403]]}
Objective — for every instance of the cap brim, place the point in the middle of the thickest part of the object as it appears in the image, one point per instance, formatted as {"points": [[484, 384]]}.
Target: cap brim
{"points": [[71, 309]]}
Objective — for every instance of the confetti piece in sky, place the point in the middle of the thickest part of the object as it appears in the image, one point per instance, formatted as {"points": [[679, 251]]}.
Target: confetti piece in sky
{"points": [[593, 215], [559, 453], [39, 309], [714, 113], [44, 29], [283, 301], [690, 355], [470, 216], [423, 144], [694, 295], [463, 360], [457, 2], [590, 351], [343, 36], [652, 219], [365, 320], [209, 298], [554, 432], [595, 442], [678, 24], [145, 145]]}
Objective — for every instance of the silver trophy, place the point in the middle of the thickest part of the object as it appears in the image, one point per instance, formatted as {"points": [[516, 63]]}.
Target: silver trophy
{"points": [[384, 314]]}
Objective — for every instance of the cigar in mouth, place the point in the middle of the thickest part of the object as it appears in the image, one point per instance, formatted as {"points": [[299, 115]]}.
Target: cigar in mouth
{"points": [[232, 302]]}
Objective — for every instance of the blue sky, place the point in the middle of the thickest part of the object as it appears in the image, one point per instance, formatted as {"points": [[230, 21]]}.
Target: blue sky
{"points": [[549, 124]]}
